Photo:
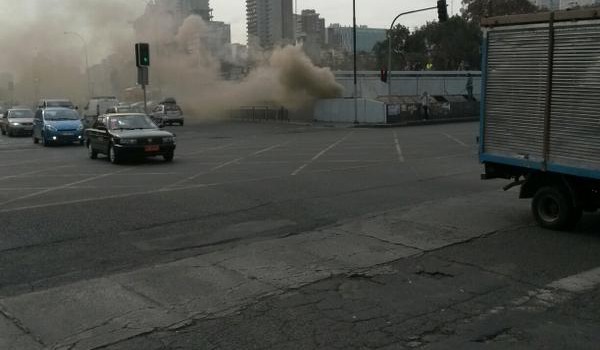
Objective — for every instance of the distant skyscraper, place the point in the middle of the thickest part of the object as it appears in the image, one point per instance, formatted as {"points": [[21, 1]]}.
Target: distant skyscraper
{"points": [[311, 33], [270, 22], [340, 38]]}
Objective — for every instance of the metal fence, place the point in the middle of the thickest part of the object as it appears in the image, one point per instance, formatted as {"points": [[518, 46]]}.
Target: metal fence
{"points": [[260, 114]]}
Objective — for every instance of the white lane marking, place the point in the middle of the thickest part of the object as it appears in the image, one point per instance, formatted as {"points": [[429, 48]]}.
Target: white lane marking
{"points": [[61, 187], [320, 154], [209, 149], [398, 147], [34, 172], [220, 166], [162, 190], [455, 140], [269, 149]]}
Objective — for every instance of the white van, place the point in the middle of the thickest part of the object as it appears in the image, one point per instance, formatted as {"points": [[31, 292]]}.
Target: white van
{"points": [[96, 107]]}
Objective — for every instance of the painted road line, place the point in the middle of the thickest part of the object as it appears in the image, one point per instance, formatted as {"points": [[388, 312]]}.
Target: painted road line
{"points": [[398, 148], [323, 152], [35, 172], [220, 166], [455, 140], [61, 187]]}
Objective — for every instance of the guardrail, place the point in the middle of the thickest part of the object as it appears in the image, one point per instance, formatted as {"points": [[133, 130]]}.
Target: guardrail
{"points": [[260, 114]]}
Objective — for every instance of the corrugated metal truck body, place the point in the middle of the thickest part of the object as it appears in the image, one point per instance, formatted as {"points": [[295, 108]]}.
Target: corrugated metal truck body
{"points": [[541, 110]]}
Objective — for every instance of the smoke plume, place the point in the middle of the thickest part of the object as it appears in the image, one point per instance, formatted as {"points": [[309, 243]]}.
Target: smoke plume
{"points": [[47, 63]]}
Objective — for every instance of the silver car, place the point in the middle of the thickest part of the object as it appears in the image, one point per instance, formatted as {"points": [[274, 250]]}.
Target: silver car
{"points": [[17, 121]]}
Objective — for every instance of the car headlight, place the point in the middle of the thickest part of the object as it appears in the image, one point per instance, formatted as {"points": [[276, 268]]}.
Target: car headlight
{"points": [[128, 141], [51, 128], [168, 140], [15, 124]]}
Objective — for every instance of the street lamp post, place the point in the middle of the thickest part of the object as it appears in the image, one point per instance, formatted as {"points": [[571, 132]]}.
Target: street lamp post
{"points": [[390, 43], [355, 67], [87, 64]]}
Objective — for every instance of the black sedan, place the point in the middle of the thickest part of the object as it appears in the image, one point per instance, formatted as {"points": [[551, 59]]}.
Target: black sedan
{"points": [[121, 136]]}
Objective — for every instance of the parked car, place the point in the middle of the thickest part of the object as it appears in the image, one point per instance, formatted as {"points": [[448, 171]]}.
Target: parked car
{"points": [[55, 103], [17, 121], [57, 125], [128, 135], [124, 109], [167, 112], [96, 107]]}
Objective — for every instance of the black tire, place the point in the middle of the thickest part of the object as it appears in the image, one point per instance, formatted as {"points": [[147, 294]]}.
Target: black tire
{"points": [[35, 140], [113, 156], [169, 157], [92, 153], [181, 123], [3, 131], [553, 208], [45, 142]]}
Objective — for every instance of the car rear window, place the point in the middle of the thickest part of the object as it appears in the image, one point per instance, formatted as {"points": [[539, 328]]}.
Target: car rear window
{"points": [[172, 108]]}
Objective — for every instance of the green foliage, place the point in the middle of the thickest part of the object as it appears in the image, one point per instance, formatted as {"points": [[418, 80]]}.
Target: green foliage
{"points": [[451, 45]]}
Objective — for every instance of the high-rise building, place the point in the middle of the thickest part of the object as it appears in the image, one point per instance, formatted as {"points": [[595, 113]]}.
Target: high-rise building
{"points": [[341, 38], [270, 23], [311, 33]]}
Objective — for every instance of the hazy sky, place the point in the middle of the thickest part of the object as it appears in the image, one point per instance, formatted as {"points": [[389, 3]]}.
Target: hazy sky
{"points": [[374, 13]]}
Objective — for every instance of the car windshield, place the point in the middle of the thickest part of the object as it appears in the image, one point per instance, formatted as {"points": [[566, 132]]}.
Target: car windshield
{"points": [[66, 104], [25, 113], [62, 114], [131, 122]]}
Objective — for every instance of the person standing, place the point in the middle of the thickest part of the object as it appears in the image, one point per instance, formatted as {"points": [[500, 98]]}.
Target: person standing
{"points": [[469, 87], [425, 105]]}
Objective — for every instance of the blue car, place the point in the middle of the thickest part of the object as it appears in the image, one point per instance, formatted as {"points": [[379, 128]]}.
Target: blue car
{"points": [[57, 125]]}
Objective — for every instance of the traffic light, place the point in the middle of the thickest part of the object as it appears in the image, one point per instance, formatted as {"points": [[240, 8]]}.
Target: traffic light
{"points": [[142, 54], [442, 10], [384, 75]]}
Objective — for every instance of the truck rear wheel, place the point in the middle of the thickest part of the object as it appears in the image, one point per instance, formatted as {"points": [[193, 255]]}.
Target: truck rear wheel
{"points": [[553, 208]]}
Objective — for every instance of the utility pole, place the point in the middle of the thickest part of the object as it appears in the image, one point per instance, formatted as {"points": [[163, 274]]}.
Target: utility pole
{"points": [[355, 67]]}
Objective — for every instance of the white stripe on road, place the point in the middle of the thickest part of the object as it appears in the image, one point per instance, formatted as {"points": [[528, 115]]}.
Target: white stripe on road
{"points": [[220, 166], [398, 148], [320, 154], [62, 187], [455, 140], [35, 172]]}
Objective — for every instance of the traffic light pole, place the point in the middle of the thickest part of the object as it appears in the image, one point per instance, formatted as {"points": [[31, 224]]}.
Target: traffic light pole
{"points": [[390, 43]]}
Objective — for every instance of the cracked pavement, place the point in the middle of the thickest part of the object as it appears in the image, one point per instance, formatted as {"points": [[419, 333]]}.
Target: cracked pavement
{"points": [[260, 245]]}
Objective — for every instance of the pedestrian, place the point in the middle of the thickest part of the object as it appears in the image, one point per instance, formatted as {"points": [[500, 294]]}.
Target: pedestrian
{"points": [[469, 87], [425, 105]]}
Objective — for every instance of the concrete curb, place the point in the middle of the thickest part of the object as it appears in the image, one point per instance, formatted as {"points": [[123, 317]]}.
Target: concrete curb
{"points": [[420, 123]]}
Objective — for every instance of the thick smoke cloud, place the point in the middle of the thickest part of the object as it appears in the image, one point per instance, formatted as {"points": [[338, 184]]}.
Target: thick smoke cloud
{"points": [[47, 63]]}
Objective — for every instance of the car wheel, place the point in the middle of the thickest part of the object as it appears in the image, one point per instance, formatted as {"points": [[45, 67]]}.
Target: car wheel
{"points": [[181, 123], [113, 157], [45, 142], [35, 139], [92, 153], [169, 157], [3, 131], [553, 208]]}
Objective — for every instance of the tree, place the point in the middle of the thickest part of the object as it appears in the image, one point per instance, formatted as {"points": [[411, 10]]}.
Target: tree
{"points": [[474, 10], [444, 45], [400, 35]]}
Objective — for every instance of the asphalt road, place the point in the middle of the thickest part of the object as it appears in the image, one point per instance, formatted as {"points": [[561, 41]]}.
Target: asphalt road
{"points": [[66, 218]]}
